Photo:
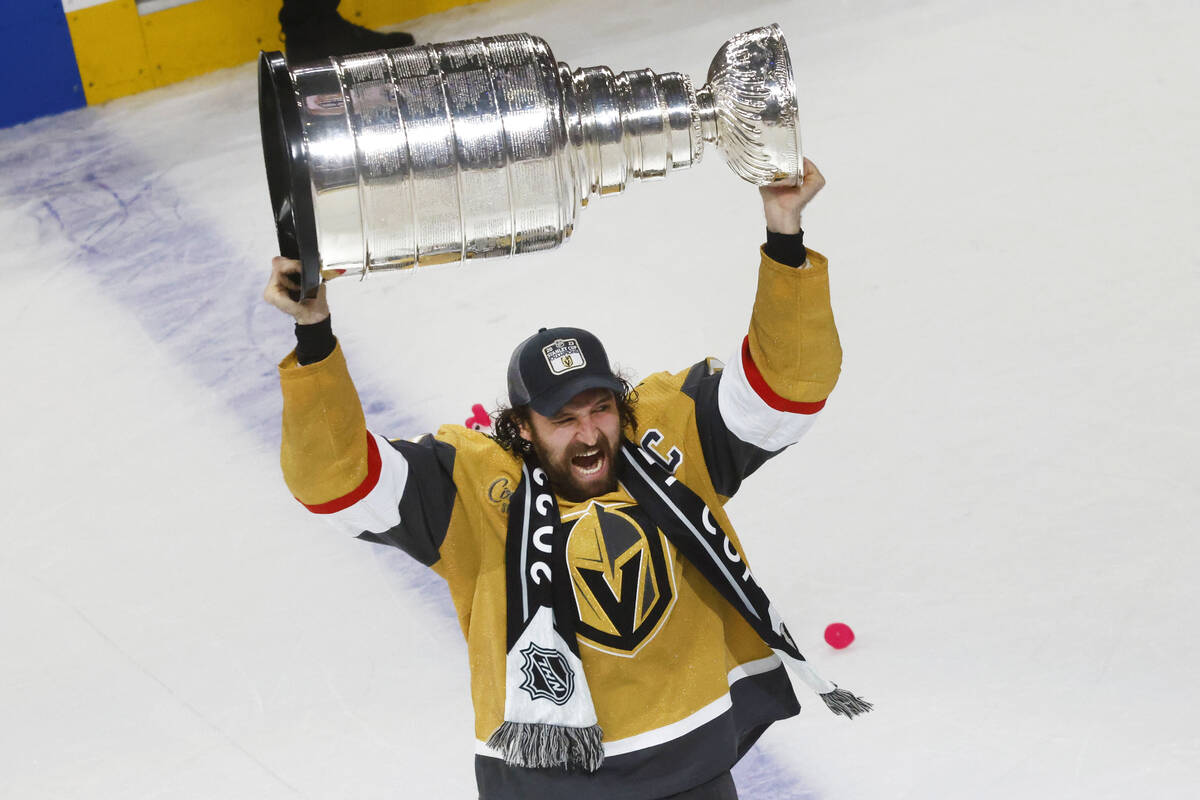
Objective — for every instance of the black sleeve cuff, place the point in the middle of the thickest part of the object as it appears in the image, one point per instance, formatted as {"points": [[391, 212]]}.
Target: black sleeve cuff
{"points": [[314, 342], [786, 248]]}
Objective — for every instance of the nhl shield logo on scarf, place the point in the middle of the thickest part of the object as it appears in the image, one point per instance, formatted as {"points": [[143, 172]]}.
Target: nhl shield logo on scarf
{"points": [[547, 674]]}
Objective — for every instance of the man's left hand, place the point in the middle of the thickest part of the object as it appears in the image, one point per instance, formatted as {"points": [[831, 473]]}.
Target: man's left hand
{"points": [[783, 205]]}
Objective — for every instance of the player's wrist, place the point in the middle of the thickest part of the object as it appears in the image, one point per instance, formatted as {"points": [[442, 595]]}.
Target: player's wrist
{"points": [[315, 341], [310, 317], [786, 248], [782, 220], [785, 228]]}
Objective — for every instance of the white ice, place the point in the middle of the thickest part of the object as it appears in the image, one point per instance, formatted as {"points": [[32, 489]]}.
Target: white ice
{"points": [[1001, 497]]}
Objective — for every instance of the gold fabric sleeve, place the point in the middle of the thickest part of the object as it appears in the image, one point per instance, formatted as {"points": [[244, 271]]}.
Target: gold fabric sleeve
{"points": [[793, 339], [324, 451]]}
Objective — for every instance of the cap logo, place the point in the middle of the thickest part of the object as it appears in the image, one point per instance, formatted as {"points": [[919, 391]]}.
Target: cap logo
{"points": [[564, 355]]}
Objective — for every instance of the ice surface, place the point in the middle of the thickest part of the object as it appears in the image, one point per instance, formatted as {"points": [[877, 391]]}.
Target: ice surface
{"points": [[1001, 497]]}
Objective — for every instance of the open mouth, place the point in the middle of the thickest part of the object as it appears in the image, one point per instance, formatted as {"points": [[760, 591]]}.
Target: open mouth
{"points": [[589, 463]]}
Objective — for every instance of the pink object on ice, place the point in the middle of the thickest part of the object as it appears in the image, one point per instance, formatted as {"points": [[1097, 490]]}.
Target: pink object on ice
{"points": [[839, 635]]}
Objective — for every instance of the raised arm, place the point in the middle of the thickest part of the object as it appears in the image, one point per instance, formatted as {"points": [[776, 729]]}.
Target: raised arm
{"points": [[359, 481], [770, 392], [792, 343]]}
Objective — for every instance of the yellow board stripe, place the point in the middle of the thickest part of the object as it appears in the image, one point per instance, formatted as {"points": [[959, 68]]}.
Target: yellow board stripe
{"points": [[121, 53], [110, 51]]}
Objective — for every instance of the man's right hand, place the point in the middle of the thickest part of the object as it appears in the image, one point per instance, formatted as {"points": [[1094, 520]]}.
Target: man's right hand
{"points": [[285, 281]]}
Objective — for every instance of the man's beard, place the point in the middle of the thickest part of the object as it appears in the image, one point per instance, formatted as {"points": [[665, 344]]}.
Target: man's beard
{"points": [[563, 479]]}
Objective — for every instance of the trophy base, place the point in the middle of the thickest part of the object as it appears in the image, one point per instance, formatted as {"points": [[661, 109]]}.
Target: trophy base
{"points": [[288, 178]]}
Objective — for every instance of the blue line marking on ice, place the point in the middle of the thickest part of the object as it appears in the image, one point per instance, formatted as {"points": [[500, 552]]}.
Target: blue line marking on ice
{"points": [[192, 292]]}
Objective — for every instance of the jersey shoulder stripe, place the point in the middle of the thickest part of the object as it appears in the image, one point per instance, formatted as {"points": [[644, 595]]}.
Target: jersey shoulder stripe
{"points": [[752, 413], [759, 384], [374, 468], [426, 499]]}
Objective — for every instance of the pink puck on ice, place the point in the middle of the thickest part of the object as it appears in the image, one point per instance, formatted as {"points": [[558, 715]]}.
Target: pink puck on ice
{"points": [[839, 635]]}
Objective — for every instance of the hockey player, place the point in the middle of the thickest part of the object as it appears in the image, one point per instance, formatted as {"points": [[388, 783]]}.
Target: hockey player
{"points": [[619, 645]]}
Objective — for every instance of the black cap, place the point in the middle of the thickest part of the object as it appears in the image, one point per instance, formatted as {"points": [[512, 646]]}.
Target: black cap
{"points": [[554, 365]]}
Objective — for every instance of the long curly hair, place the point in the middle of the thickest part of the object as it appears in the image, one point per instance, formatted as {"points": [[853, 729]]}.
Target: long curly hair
{"points": [[507, 421]]}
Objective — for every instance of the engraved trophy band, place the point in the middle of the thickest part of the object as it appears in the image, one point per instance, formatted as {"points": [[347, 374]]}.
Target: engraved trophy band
{"points": [[490, 147]]}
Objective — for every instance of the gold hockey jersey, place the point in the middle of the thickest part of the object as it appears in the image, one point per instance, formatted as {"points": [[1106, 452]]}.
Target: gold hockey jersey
{"points": [[682, 686]]}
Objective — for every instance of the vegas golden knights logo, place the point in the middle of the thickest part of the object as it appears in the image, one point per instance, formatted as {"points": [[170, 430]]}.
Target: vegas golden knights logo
{"points": [[622, 577]]}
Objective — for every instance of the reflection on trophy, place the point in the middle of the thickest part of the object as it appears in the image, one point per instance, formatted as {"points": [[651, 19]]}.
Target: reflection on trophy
{"points": [[489, 147]]}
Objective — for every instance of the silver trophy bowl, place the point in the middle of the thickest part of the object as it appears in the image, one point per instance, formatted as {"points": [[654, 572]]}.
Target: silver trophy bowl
{"points": [[489, 147]]}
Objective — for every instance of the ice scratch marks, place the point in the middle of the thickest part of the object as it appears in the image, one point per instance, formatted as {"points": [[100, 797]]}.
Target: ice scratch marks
{"points": [[760, 776], [141, 669], [48, 207], [117, 218], [122, 223]]}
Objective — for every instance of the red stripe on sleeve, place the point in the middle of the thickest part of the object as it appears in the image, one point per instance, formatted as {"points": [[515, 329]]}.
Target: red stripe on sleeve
{"points": [[759, 384], [374, 467]]}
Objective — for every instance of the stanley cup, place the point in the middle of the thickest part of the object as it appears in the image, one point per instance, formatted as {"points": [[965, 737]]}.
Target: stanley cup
{"points": [[489, 147]]}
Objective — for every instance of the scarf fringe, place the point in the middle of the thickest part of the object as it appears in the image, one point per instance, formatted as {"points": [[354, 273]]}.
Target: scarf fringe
{"points": [[538, 744], [845, 703]]}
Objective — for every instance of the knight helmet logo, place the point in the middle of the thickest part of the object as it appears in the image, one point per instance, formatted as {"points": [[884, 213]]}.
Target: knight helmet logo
{"points": [[622, 577], [547, 674]]}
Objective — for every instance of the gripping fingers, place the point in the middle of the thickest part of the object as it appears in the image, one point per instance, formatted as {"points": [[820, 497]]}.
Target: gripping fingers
{"points": [[813, 182], [291, 281], [282, 290]]}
